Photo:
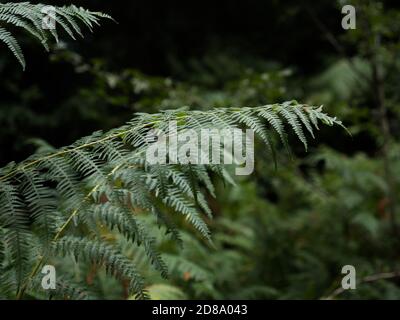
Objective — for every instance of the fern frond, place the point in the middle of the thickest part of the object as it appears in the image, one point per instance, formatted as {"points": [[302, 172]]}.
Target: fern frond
{"points": [[292, 119], [124, 220], [67, 181], [273, 119], [183, 266], [40, 202], [254, 122], [13, 45], [184, 206], [105, 178], [165, 292], [15, 221]]}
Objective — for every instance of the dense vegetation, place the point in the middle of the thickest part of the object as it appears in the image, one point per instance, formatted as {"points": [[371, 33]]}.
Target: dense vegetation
{"points": [[116, 228]]}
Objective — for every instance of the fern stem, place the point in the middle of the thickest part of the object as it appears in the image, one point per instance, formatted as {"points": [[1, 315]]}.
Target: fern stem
{"points": [[34, 271]]}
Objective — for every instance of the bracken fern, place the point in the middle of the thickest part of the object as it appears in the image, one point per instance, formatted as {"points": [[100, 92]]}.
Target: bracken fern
{"points": [[57, 203]]}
